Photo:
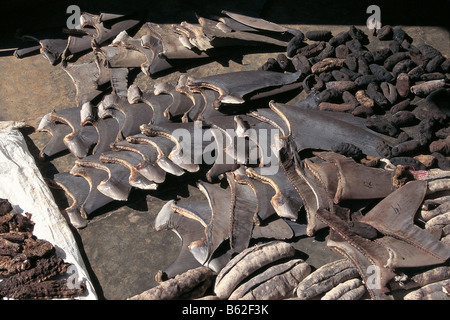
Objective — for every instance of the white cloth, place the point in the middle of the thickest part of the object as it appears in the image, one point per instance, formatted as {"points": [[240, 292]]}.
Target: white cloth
{"points": [[22, 184]]}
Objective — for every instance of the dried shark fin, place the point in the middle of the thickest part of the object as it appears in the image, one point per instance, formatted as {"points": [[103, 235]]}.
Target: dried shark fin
{"points": [[163, 147], [357, 181], [222, 38], [218, 229], [107, 130], [77, 189], [81, 138], [106, 26], [180, 104], [365, 255], [233, 87], [185, 154], [286, 201], [113, 182], [394, 216], [88, 79], [188, 230], [141, 179], [57, 131], [320, 129], [145, 160], [95, 199], [134, 115], [243, 211]]}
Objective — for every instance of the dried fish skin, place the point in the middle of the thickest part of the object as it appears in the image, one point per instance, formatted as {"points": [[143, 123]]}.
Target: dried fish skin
{"points": [[433, 291], [325, 278], [183, 286], [275, 283], [352, 289], [247, 262]]}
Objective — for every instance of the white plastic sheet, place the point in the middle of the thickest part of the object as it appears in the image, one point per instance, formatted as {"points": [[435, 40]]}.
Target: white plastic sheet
{"points": [[22, 184]]}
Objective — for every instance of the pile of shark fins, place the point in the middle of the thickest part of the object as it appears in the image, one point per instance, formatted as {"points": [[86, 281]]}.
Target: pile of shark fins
{"points": [[305, 167]]}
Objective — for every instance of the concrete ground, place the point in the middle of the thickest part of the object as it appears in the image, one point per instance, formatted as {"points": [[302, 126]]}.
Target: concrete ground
{"points": [[121, 248]]}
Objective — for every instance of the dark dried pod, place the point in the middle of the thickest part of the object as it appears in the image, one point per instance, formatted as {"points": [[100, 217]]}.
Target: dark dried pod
{"points": [[403, 66], [367, 55], [327, 52], [342, 85], [351, 74], [443, 133], [362, 97], [419, 59], [335, 107], [434, 63], [402, 137], [341, 51], [415, 73], [357, 34], [404, 119], [381, 72], [407, 46], [329, 95], [428, 51], [374, 92], [395, 46], [363, 66], [319, 35], [339, 39], [383, 149], [445, 66], [284, 62], [351, 62], [362, 111], [5, 207], [409, 147], [294, 44], [355, 46], [407, 162], [382, 125], [311, 82], [327, 64], [391, 61], [442, 146], [311, 50], [403, 85], [389, 91], [363, 81], [424, 133], [385, 33], [270, 65], [326, 76], [301, 63], [442, 161], [340, 76], [348, 98], [398, 34], [432, 76], [348, 150], [425, 88], [380, 55]]}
